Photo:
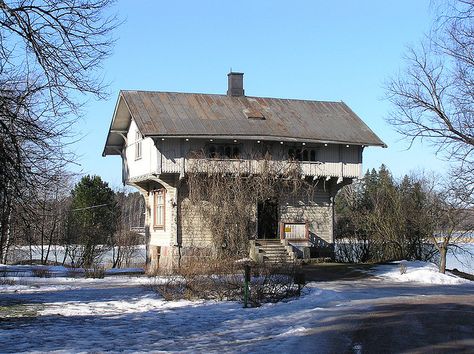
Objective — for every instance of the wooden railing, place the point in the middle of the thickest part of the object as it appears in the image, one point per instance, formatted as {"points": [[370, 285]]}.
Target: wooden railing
{"points": [[320, 169]]}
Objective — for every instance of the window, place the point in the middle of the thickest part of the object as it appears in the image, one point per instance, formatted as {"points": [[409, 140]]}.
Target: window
{"points": [[138, 145], [223, 151], [228, 151], [159, 208], [236, 152], [303, 154], [291, 154], [212, 152]]}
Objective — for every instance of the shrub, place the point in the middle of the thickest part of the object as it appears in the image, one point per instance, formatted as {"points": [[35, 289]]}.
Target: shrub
{"points": [[41, 272], [75, 272], [95, 272], [274, 283], [6, 280], [403, 268], [223, 279]]}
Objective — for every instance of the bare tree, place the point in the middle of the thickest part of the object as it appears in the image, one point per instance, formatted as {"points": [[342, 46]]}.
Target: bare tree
{"points": [[126, 242], [381, 219], [453, 224], [225, 196], [434, 96], [42, 226], [50, 50]]}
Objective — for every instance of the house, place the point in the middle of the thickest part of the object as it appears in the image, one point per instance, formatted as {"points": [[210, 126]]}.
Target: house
{"points": [[163, 137]]}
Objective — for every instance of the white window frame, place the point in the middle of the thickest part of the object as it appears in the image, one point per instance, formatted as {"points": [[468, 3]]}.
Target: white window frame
{"points": [[159, 209], [138, 145]]}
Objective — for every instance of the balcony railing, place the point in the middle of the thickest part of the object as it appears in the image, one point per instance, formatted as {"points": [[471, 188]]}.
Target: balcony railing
{"points": [[234, 166]]}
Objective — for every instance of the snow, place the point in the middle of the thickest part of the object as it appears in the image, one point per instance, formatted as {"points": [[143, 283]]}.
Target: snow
{"points": [[416, 271], [122, 313], [57, 254], [59, 271]]}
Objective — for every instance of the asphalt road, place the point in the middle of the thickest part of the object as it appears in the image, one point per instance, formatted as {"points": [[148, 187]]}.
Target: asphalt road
{"points": [[416, 324], [396, 318]]}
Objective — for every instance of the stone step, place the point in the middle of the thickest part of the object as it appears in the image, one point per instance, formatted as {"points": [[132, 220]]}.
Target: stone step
{"points": [[277, 260], [273, 251], [283, 256]]}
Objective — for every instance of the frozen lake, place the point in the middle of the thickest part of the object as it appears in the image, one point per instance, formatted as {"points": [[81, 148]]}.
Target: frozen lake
{"points": [[462, 259]]}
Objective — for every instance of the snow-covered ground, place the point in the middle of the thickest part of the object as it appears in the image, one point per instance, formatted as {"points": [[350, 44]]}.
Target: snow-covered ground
{"points": [[121, 313], [419, 272]]}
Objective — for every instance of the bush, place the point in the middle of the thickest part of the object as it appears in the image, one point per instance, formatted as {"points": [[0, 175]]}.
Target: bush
{"points": [[274, 283], [75, 272], [197, 279], [223, 279], [403, 267], [94, 272], [6, 280], [41, 272]]}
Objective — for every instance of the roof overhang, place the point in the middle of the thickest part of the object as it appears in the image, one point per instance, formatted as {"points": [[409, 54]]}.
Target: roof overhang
{"points": [[117, 135], [264, 138]]}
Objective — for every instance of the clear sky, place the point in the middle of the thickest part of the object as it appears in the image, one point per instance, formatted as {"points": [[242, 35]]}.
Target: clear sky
{"points": [[319, 50]]}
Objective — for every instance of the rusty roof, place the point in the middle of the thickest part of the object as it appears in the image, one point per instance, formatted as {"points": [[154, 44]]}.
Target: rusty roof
{"points": [[168, 114]]}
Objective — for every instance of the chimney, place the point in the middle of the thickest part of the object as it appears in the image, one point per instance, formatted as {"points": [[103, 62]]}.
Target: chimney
{"points": [[235, 84]]}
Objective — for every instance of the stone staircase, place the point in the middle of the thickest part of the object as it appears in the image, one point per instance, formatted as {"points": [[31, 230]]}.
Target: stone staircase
{"points": [[273, 251]]}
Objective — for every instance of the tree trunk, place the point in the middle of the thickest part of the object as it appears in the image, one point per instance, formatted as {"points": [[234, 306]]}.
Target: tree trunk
{"points": [[7, 238], [442, 262], [5, 225]]}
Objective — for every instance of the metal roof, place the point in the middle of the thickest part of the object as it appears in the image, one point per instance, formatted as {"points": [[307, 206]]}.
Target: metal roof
{"points": [[168, 114]]}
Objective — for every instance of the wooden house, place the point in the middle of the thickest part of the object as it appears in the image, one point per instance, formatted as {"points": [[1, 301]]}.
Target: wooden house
{"points": [[156, 133]]}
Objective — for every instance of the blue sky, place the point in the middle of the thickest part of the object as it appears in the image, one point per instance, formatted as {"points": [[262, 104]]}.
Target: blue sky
{"points": [[321, 50]]}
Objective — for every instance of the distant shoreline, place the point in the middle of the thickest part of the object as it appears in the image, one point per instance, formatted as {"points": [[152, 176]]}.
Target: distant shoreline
{"points": [[467, 239]]}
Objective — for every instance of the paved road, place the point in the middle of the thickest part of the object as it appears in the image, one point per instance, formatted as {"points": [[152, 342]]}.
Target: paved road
{"points": [[336, 271], [407, 318], [416, 324]]}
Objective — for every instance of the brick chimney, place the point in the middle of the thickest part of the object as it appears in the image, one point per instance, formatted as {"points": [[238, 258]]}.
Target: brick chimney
{"points": [[235, 84]]}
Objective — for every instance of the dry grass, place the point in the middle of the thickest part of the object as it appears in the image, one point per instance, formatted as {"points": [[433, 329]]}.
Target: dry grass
{"points": [[41, 272], [223, 279], [95, 272], [6, 280]]}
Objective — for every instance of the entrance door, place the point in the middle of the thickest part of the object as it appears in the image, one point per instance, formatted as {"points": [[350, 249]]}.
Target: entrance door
{"points": [[267, 213]]}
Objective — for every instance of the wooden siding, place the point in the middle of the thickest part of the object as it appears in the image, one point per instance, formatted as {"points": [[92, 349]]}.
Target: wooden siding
{"points": [[332, 160], [318, 213], [146, 164]]}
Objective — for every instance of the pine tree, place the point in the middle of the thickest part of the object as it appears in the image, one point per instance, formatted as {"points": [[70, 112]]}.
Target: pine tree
{"points": [[93, 218]]}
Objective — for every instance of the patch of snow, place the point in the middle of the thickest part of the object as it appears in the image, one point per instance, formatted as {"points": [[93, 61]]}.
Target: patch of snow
{"points": [[59, 271], [417, 271], [124, 270], [122, 314], [32, 288], [244, 260]]}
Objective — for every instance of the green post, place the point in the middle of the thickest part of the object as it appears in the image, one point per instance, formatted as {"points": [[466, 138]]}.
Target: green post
{"points": [[299, 279], [246, 284]]}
